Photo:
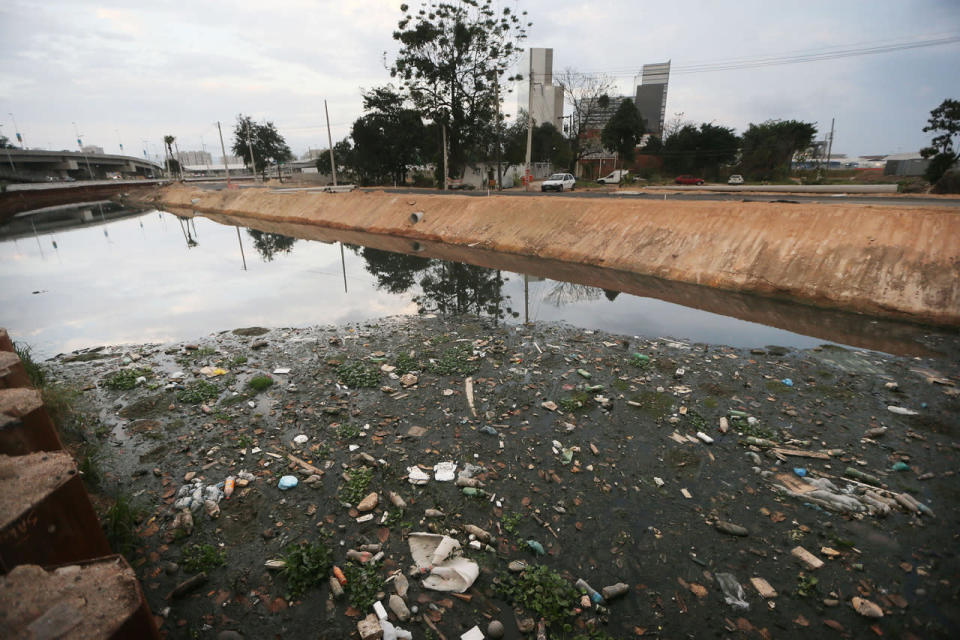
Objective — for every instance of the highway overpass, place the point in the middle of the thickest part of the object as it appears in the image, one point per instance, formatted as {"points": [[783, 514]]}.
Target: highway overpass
{"points": [[29, 165]]}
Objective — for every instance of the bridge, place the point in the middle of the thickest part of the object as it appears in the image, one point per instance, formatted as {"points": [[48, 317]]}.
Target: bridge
{"points": [[30, 165]]}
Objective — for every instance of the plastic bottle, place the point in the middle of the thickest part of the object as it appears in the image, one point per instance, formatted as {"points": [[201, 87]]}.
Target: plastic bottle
{"points": [[594, 595], [338, 574], [228, 487]]}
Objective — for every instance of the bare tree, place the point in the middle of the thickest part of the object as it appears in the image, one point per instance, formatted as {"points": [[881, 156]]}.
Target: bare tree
{"points": [[674, 124], [583, 92]]}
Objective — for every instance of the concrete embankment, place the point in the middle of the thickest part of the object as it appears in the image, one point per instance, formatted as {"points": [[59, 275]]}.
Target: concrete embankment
{"points": [[888, 261]]}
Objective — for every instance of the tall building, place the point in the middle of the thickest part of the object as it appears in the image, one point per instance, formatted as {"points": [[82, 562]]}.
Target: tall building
{"points": [[652, 96], [195, 158], [547, 99]]}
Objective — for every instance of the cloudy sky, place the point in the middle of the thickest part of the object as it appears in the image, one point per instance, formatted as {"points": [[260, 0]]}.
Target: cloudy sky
{"points": [[133, 73]]}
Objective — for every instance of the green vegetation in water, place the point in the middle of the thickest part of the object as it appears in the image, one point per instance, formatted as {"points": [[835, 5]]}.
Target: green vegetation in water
{"points": [[511, 523], [203, 557], [575, 401], [696, 420], [540, 591], [405, 363], [260, 383], [236, 361], [198, 391], [640, 361], [775, 386], [358, 375], [363, 584], [307, 565], [355, 489], [120, 525], [654, 404], [458, 359], [125, 379], [806, 585], [709, 402], [347, 431]]}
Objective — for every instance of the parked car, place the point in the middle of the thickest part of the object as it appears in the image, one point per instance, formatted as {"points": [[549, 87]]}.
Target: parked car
{"points": [[685, 179], [614, 178], [559, 182], [735, 179]]}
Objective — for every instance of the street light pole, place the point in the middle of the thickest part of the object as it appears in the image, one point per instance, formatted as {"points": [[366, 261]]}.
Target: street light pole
{"points": [[16, 130], [80, 146], [223, 150], [333, 165]]}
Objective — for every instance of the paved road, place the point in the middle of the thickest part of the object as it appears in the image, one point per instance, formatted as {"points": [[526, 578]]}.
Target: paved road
{"points": [[881, 200]]}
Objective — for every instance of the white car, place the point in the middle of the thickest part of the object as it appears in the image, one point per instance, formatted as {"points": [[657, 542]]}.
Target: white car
{"points": [[735, 179], [559, 182], [614, 178]]}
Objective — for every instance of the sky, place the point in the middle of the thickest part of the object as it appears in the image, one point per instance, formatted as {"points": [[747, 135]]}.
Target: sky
{"points": [[134, 73]]}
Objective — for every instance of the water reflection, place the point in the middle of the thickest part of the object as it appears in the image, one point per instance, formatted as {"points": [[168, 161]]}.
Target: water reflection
{"points": [[445, 287], [269, 245]]}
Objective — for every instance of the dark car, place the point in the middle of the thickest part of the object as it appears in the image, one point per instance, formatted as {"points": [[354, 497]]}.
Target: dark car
{"points": [[688, 180]]}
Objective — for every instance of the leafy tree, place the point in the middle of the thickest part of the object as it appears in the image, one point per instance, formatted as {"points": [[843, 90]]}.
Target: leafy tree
{"points": [[387, 139], [267, 143], [586, 95], [342, 157], [547, 144], [701, 151], [945, 121], [451, 55], [768, 148], [5, 143], [624, 130]]}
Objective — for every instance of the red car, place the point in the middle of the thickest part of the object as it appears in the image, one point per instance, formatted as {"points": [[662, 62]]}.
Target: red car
{"points": [[688, 180]]}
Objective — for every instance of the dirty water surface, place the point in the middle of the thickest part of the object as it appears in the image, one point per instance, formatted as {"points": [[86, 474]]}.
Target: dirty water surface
{"points": [[660, 464], [101, 274]]}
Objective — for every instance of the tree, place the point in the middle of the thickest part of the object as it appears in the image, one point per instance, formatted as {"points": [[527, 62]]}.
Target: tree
{"points": [[547, 144], [173, 164], [5, 143], [388, 138], [342, 157], [452, 54], [945, 121], [624, 130], [768, 148], [267, 143], [701, 151], [270, 244], [585, 94]]}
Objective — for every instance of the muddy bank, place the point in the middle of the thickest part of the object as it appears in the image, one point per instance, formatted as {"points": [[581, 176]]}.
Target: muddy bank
{"points": [[881, 260], [587, 445]]}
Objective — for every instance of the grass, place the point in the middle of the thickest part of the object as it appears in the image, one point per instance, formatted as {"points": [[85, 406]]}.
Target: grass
{"points": [[237, 361], [347, 431], [120, 524], [540, 591], [35, 372], [125, 379], [363, 584], [358, 375], [355, 489], [307, 565], [405, 364], [203, 557], [575, 401], [260, 383], [198, 391]]}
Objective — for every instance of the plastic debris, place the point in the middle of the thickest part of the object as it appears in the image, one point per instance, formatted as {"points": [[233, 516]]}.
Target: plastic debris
{"points": [[614, 591], [733, 593], [787, 381], [536, 547], [287, 482], [444, 471], [439, 557], [902, 411], [472, 634], [800, 471], [866, 608], [391, 632], [595, 596], [301, 439], [729, 527], [415, 475]]}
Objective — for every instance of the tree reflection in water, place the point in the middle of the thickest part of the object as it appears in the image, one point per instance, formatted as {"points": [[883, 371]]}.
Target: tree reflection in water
{"points": [[270, 244], [445, 287]]}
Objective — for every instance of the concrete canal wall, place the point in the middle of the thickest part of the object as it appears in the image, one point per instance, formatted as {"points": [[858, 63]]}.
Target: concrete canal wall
{"points": [[882, 260]]}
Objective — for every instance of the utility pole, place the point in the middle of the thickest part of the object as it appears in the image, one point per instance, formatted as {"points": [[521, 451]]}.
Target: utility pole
{"points": [[79, 146], [333, 165], [496, 94], [529, 121], [443, 130], [223, 150], [830, 143], [253, 163], [10, 160], [16, 130]]}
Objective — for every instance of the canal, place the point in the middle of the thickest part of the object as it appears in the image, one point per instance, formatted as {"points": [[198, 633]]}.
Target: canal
{"points": [[99, 274]]}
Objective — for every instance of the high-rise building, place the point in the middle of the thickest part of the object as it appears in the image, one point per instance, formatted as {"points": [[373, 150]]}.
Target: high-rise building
{"points": [[195, 158], [547, 99], [652, 96]]}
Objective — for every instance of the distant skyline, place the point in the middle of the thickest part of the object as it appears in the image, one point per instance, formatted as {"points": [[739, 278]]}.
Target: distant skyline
{"points": [[131, 74]]}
